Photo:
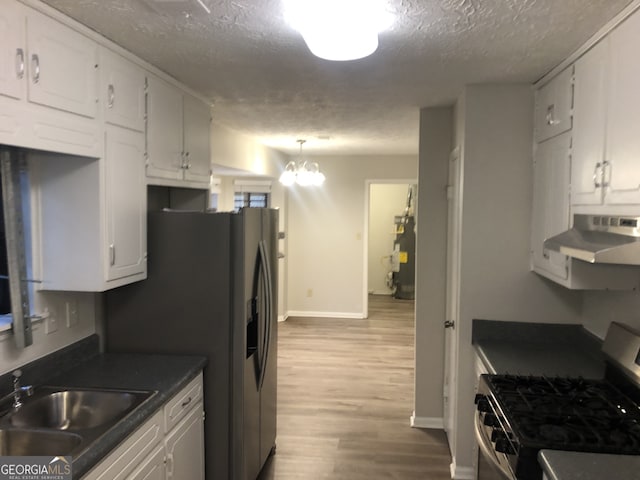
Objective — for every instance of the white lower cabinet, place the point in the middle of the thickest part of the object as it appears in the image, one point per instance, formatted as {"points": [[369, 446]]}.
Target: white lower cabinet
{"points": [[184, 447], [152, 468], [161, 449]]}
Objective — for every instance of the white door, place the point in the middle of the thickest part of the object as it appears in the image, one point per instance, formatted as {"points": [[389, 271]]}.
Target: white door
{"points": [[164, 130], [126, 205], [12, 50], [185, 447], [454, 196], [62, 66], [197, 132]]}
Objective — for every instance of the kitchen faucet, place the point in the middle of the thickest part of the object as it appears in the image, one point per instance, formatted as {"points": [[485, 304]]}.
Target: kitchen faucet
{"points": [[17, 391]]}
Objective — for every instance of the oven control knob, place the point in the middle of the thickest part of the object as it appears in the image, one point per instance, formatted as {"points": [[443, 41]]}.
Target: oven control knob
{"points": [[504, 446], [497, 435], [490, 420], [483, 404]]}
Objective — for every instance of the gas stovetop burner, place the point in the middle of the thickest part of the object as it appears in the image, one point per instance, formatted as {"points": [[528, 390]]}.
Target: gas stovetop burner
{"points": [[517, 416]]}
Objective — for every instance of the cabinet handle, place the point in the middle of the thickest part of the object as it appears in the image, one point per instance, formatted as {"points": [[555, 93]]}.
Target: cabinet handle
{"points": [[545, 255], [187, 163], [606, 180], [597, 170], [19, 63], [111, 95], [169, 463], [186, 402], [35, 63], [112, 254], [551, 113]]}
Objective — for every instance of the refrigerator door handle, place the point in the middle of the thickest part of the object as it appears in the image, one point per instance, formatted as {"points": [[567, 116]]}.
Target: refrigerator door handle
{"points": [[252, 327], [267, 318]]}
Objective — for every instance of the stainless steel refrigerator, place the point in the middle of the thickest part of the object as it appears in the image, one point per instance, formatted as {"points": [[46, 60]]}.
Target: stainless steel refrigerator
{"points": [[211, 290]]}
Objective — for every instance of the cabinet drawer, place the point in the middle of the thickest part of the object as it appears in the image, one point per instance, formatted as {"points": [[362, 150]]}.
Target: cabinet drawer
{"points": [[128, 455], [182, 403], [554, 103]]}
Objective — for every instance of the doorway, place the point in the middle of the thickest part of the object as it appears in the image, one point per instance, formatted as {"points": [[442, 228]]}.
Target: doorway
{"points": [[387, 270]]}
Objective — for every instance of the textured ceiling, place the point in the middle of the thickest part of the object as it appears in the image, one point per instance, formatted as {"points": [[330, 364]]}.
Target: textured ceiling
{"points": [[263, 81]]}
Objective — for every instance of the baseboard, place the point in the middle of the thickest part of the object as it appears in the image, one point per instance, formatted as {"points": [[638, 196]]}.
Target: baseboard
{"points": [[458, 472], [427, 422], [300, 313], [282, 318]]}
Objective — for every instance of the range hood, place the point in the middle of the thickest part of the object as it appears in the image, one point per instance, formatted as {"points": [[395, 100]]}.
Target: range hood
{"points": [[600, 239]]}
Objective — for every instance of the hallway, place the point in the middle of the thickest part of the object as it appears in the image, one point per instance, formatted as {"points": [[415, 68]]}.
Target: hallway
{"points": [[345, 395]]}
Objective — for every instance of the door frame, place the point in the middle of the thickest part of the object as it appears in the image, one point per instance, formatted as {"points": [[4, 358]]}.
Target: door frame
{"points": [[454, 227], [367, 211]]}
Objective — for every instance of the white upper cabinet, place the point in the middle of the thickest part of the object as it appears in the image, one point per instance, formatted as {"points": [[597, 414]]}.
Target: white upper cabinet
{"points": [[553, 106], [62, 66], [178, 132], [48, 84], [126, 204], [589, 124], [164, 130], [606, 145], [197, 134], [12, 50], [122, 87], [550, 215], [623, 120]]}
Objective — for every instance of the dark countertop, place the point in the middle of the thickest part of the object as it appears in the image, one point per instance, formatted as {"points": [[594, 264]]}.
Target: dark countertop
{"points": [[559, 465], [165, 374], [537, 349], [81, 365]]}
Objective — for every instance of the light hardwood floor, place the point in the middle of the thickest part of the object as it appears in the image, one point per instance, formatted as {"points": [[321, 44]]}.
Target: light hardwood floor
{"points": [[345, 395]]}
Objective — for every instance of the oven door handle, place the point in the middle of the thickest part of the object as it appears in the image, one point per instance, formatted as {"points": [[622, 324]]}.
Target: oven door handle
{"points": [[485, 446]]}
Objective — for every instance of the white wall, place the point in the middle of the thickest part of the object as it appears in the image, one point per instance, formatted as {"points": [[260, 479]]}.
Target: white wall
{"points": [[385, 202], [495, 279], [600, 308], [326, 234], [436, 127], [234, 150]]}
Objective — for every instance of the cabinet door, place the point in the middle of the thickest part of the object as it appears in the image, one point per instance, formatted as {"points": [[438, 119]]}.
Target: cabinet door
{"points": [[126, 202], [197, 133], [62, 66], [12, 50], [550, 203], [164, 130], [589, 122], [553, 106], [623, 128], [122, 91], [185, 447], [152, 468]]}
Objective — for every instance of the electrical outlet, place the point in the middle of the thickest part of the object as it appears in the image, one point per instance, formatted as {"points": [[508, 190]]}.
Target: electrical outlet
{"points": [[72, 313], [310, 292], [50, 322]]}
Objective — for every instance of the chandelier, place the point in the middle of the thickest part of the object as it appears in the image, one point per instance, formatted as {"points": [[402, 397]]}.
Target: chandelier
{"points": [[303, 172]]}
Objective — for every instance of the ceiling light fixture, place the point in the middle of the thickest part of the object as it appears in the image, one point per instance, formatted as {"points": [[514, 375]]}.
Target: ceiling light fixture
{"points": [[305, 173], [339, 29]]}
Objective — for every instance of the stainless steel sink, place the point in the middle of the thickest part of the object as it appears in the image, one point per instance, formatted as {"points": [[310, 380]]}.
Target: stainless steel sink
{"points": [[18, 442], [65, 421], [75, 409]]}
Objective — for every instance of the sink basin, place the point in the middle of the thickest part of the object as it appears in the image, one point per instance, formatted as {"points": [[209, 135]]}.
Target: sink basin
{"points": [[75, 409], [17, 442]]}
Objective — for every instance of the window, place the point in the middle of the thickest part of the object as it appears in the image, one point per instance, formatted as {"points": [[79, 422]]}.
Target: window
{"points": [[251, 194], [16, 262], [249, 199]]}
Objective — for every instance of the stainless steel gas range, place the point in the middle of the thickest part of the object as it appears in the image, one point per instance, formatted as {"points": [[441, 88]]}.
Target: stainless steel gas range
{"points": [[517, 416]]}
